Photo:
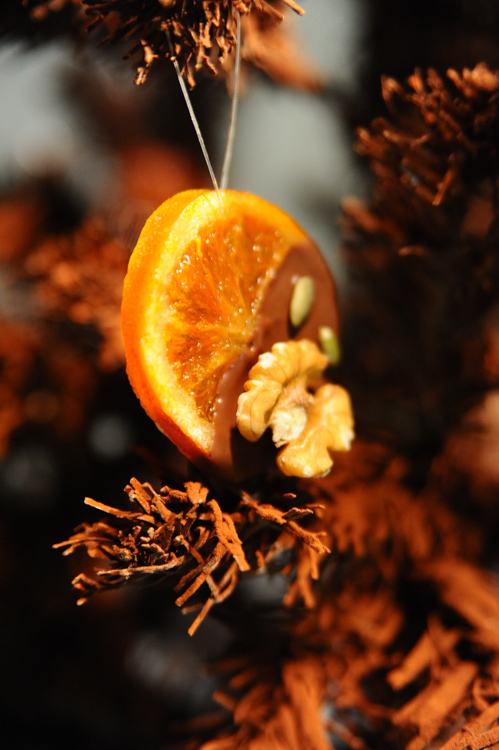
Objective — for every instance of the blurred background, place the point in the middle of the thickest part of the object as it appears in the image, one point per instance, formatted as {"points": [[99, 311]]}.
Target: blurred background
{"points": [[85, 156]]}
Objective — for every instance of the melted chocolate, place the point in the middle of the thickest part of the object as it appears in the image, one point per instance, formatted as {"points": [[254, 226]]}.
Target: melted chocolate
{"points": [[233, 457]]}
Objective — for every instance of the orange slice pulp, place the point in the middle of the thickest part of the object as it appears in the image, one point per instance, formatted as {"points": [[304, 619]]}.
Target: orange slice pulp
{"points": [[195, 284]]}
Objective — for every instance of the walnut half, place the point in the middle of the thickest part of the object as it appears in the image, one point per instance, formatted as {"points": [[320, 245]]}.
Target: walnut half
{"points": [[277, 395]]}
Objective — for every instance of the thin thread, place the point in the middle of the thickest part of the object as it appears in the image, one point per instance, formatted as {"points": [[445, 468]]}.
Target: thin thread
{"points": [[224, 180], [193, 116]]}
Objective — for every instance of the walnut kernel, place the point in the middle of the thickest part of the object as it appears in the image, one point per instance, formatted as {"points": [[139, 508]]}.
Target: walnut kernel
{"points": [[329, 427], [276, 395]]}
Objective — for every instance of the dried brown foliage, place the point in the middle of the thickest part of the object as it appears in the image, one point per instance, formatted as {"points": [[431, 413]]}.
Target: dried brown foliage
{"points": [[202, 33], [423, 253], [279, 708], [79, 277], [61, 323], [402, 627], [186, 536], [430, 155], [42, 381], [400, 649]]}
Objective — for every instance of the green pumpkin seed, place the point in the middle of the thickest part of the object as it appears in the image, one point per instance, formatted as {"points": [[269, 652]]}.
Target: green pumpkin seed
{"points": [[302, 300], [329, 344]]}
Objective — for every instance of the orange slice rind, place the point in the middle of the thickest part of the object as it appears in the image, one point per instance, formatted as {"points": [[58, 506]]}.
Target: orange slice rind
{"points": [[194, 288]]}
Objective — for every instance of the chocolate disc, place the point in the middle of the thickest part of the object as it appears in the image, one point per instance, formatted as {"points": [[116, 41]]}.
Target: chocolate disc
{"points": [[233, 457]]}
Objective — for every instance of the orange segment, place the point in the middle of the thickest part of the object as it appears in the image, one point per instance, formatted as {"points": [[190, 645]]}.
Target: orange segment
{"points": [[194, 287]]}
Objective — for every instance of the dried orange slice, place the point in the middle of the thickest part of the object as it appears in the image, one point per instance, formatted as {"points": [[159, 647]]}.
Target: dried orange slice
{"points": [[193, 293]]}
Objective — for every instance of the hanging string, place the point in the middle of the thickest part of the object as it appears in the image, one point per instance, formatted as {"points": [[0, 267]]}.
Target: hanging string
{"points": [[224, 180], [192, 114]]}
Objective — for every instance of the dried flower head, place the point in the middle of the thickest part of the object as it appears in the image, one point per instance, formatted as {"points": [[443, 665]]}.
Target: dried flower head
{"points": [[277, 395]]}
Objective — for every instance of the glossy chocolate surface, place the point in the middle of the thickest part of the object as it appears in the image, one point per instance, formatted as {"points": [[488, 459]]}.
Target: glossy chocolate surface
{"points": [[233, 457]]}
